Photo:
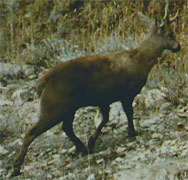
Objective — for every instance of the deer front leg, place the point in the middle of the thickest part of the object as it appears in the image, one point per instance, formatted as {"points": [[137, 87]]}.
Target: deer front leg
{"points": [[127, 106], [105, 112]]}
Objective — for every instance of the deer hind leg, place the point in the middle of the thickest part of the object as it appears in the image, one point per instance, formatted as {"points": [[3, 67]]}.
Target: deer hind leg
{"points": [[105, 112], [40, 127], [68, 129]]}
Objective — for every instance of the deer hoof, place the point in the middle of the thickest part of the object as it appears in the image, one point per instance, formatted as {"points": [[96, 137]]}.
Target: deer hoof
{"points": [[132, 134], [15, 172]]}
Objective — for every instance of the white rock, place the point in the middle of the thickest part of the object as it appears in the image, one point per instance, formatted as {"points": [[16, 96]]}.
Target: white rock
{"points": [[63, 151], [16, 142], [99, 161], [165, 147], [118, 159], [131, 144], [153, 98], [72, 149], [56, 156], [165, 106], [54, 161], [106, 152], [164, 89], [91, 177], [120, 150], [151, 121], [5, 102], [117, 114], [28, 167], [156, 136], [162, 175], [49, 133], [3, 151], [184, 152], [98, 118]]}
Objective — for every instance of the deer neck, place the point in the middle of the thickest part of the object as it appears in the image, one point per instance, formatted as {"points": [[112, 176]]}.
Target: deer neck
{"points": [[148, 52]]}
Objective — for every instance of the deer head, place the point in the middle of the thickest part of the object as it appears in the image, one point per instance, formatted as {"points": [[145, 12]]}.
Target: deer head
{"points": [[161, 31]]}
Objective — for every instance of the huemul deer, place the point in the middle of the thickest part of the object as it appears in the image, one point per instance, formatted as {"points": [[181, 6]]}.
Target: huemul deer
{"points": [[97, 80]]}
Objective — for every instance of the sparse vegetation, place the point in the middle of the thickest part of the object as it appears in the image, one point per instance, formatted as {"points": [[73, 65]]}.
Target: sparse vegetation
{"points": [[41, 33]]}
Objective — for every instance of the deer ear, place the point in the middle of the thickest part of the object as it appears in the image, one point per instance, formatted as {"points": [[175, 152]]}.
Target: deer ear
{"points": [[146, 21], [159, 25]]}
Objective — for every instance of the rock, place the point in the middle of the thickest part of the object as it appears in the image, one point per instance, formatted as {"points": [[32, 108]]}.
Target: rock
{"points": [[56, 156], [164, 89], [156, 136], [16, 142], [120, 150], [161, 169], [184, 152], [117, 114], [162, 175], [151, 99], [184, 115], [3, 151], [151, 121], [72, 150], [106, 152], [28, 168], [56, 159], [97, 118], [119, 160], [99, 161], [10, 72], [5, 102], [63, 151], [165, 106], [22, 94], [131, 145], [91, 177], [186, 127]]}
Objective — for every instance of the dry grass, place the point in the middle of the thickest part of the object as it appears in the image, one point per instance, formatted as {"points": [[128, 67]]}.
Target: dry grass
{"points": [[43, 33]]}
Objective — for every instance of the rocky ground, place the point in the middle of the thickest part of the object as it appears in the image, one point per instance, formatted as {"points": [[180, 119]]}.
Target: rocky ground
{"points": [[159, 152]]}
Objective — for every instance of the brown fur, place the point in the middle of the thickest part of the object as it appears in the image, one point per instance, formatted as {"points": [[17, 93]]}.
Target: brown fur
{"points": [[96, 80]]}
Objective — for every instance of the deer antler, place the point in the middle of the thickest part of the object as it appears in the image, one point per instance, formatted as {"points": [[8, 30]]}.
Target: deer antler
{"points": [[173, 18], [166, 10], [162, 22]]}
